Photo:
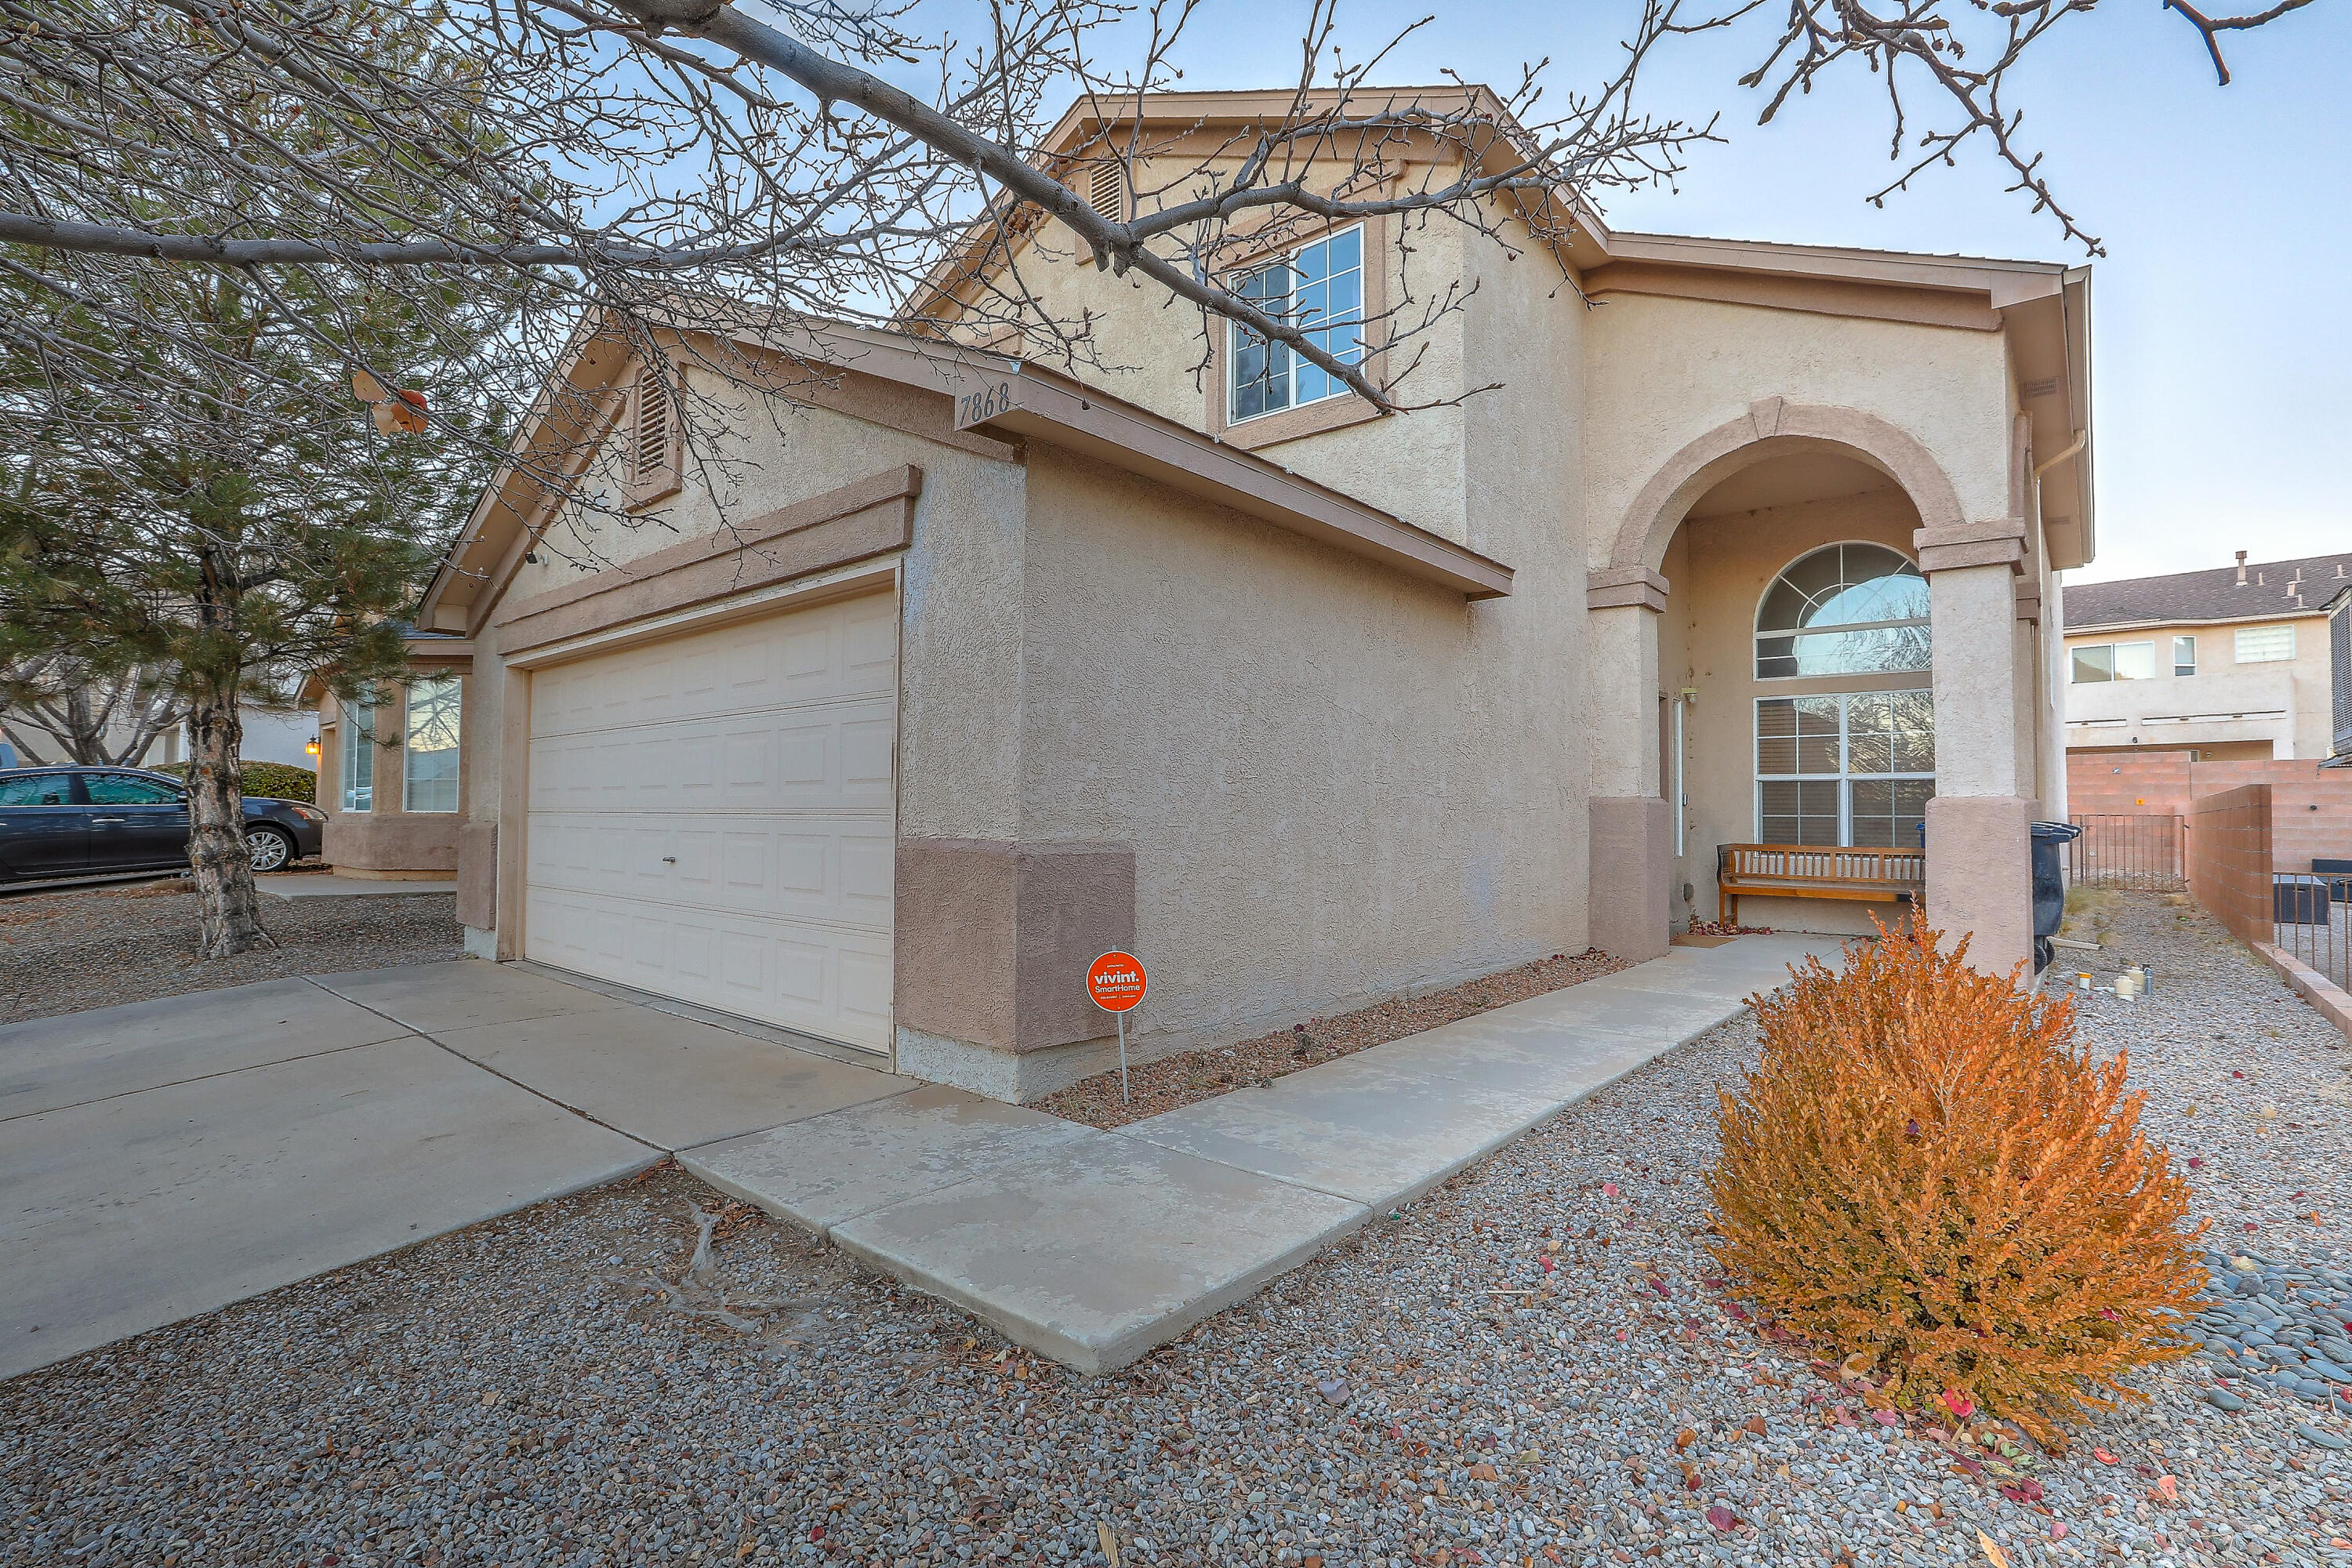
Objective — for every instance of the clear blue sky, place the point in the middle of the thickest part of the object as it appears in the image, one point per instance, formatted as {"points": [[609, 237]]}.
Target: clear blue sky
{"points": [[2222, 315]]}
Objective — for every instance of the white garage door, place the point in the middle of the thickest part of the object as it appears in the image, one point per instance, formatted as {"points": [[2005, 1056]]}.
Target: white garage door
{"points": [[711, 818]]}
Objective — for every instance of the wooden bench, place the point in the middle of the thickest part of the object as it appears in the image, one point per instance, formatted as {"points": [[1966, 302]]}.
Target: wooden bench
{"points": [[1816, 871]]}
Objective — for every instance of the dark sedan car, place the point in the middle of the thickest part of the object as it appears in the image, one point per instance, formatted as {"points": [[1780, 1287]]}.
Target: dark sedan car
{"points": [[85, 822]]}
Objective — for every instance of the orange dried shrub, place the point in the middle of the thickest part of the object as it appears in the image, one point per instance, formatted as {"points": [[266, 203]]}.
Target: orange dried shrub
{"points": [[1929, 1172]]}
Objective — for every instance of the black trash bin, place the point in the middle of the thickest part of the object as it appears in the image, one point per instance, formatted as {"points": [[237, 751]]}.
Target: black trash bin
{"points": [[2049, 887]]}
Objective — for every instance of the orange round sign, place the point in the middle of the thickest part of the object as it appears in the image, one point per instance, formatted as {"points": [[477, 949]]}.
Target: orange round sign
{"points": [[1115, 982]]}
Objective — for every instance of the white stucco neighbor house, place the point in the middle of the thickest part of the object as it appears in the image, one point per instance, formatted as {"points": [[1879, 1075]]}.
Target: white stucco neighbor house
{"points": [[978, 671]]}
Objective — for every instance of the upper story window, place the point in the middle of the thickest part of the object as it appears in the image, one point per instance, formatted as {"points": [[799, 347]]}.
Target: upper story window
{"points": [[2105, 661], [1319, 287], [1845, 609], [2265, 645], [2184, 656]]}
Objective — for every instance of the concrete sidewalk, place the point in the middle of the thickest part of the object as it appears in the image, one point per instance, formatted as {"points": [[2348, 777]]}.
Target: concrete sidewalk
{"points": [[1093, 1248], [166, 1158]]}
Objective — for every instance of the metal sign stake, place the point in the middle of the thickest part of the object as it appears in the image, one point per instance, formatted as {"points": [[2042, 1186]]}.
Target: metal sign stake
{"points": [[1123, 1095]]}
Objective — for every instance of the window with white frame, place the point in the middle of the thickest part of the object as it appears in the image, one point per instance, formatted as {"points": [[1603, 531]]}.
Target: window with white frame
{"points": [[1841, 768], [355, 756], [429, 744], [2265, 645], [2098, 662], [1843, 609], [1318, 287], [2184, 656]]}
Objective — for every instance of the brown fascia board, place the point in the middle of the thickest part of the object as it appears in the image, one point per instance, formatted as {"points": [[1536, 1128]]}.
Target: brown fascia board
{"points": [[506, 503], [1086, 115], [2005, 283], [1037, 404], [1041, 406]]}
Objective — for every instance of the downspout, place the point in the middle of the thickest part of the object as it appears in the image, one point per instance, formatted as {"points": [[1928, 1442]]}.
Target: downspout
{"points": [[2080, 438]]}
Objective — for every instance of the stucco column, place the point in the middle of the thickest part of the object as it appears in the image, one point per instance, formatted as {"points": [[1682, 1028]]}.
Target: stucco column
{"points": [[1630, 831], [1980, 847]]}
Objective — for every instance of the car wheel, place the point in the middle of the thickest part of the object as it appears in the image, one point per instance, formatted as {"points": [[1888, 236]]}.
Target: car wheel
{"points": [[270, 847]]}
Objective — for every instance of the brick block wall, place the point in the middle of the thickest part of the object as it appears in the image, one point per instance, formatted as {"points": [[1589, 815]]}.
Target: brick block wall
{"points": [[2311, 806]]}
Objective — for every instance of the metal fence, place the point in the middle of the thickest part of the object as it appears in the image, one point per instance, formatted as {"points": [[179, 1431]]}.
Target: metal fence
{"points": [[2311, 914], [2147, 852]]}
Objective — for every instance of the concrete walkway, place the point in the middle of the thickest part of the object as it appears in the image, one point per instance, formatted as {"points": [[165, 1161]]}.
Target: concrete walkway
{"points": [[163, 1159], [328, 885], [166, 1158], [1093, 1248]]}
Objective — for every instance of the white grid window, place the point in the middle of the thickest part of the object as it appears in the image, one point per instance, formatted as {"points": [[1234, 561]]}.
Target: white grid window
{"points": [[1854, 768], [2265, 645], [1318, 287]]}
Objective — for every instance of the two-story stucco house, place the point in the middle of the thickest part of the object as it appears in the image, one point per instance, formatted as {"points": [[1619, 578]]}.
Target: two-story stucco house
{"points": [[992, 669], [2234, 664]]}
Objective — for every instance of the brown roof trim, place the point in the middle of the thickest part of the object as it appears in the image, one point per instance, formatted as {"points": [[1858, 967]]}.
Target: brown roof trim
{"points": [[1024, 401]]}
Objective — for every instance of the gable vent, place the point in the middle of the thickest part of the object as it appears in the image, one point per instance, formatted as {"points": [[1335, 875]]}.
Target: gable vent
{"points": [[651, 457], [1104, 195], [2046, 387]]}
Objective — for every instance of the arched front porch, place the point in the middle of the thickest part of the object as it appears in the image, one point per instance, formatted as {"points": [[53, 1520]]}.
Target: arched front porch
{"points": [[1705, 736]]}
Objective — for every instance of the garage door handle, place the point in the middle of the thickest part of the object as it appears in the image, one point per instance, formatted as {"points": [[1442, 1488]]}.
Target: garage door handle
{"points": [[669, 860], [103, 821]]}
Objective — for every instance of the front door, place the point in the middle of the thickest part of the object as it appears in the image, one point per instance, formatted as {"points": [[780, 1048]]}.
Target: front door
{"points": [[135, 823], [44, 829]]}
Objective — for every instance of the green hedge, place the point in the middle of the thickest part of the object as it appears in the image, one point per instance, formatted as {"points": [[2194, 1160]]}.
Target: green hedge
{"points": [[275, 779]]}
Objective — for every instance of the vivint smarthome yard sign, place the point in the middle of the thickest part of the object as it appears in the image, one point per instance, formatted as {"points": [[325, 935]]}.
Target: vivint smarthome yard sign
{"points": [[1116, 983]]}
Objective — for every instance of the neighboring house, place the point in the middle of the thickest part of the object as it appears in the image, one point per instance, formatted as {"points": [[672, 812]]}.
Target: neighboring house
{"points": [[2233, 665], [271, 735], [984, 672], [390, 775], [2339, 661]]}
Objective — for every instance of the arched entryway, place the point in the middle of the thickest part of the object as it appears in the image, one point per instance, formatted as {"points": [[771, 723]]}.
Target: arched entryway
{"points": [[1745, 690]]}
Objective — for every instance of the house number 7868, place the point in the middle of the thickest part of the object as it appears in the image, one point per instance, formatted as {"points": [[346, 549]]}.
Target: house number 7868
{"points": [[985, 404]]}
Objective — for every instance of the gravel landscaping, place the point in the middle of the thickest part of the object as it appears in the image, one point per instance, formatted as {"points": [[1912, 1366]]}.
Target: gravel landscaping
{"points": [[1530, 1366], [62, 952], [1190, 1075]]}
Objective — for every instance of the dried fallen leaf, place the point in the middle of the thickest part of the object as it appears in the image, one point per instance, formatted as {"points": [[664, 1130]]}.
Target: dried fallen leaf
{"points": [[1686, 1438], [1755, 1426], [2105, 1458], [1721, 1517], [1993, 1554], [2167, 1488], [1108, 1542]]}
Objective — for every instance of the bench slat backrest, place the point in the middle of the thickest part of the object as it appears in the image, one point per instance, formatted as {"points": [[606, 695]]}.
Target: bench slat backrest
{"points": [[1839, 865]]}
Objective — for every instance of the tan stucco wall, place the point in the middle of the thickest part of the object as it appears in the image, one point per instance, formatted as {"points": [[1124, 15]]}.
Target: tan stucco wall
{"points": [[1662, 373], [1720, 567], [1339, 784], [2221, 684]]}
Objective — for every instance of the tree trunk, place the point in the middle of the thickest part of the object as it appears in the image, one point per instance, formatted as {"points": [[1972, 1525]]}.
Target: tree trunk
{"points": [[226, 905]]}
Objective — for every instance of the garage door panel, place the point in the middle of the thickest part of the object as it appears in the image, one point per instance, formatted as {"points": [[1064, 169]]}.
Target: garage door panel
{"points": [[835, 868], [711, 818], [826, 981]]}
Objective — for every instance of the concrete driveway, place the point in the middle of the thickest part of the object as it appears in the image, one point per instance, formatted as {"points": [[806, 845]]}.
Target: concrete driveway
{"points": [[165, 1158]]}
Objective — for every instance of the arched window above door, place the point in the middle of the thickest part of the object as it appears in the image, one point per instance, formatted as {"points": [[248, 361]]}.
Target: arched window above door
{"points": [[1843, 609]]}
